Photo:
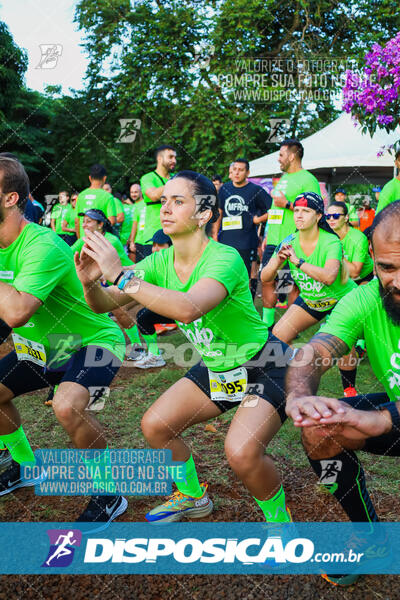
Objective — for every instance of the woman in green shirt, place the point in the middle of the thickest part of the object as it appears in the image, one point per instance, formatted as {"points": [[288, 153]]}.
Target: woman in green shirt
{"points": [[355, 244], [315, 257], [204, 287]]}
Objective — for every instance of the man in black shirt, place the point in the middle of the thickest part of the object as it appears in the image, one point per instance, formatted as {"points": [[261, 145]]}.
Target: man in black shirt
{"points": [[243, 206]]}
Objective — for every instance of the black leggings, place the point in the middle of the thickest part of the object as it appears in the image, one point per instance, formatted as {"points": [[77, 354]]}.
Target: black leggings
{"points": [[146, 319]]}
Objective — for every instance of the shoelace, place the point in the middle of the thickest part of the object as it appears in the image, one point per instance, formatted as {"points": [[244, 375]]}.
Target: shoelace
{"points": [[175, 498]]}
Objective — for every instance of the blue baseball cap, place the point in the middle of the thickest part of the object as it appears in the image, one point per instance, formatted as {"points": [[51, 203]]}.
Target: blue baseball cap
{"points": [[94, 213], [341, 191], [160, 238], [376, 189]]}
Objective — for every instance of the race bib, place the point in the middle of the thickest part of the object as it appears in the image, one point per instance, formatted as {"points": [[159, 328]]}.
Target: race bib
{"points": [[29, 350], [229, 386], [275, 216], [6, 274], [321, 305], [232, 223]]}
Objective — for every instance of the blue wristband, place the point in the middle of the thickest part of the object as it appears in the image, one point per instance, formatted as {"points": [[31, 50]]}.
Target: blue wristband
{"points": [[127, 277]]}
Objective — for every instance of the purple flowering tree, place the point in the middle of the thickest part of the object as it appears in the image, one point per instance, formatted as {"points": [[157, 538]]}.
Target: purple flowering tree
{"points": [[372, 96]]}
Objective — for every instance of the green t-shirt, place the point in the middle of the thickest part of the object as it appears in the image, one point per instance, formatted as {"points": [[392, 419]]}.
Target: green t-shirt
{"points": [[126, 228], [280, 220], [38, 262], [69, 217], [58, 213], [390, 193], [95, 198], [140, 216], [355, 249], [352, 212], [232, 332], [125, 261], [152, 223], [361, 315], [316, 294]]}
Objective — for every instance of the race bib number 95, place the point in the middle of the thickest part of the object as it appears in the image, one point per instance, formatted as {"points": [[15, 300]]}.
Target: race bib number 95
{"points": [[229, 386]]}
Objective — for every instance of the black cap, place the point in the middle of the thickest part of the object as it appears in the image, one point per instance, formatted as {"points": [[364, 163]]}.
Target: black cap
{"points": [[160, 238]]}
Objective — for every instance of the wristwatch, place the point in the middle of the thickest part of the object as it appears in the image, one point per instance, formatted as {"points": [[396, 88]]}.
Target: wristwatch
{"points": [[301, 262], [127, 277], [394, 413], [288, 204]]}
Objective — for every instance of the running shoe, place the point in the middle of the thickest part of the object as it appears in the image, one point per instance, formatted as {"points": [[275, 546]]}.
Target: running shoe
{"points": [[179, 506], [5, 458], [103, 509], [350, 391], [150, 361], [281, 304], [170, 326], [160, 329], [11, 478], [341, 580], [135, 353]]}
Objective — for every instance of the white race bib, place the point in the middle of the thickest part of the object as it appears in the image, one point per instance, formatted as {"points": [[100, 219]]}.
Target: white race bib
{"points": [[229, 386], [232, 223], [6, 274], [275, 216], [29, 350]]}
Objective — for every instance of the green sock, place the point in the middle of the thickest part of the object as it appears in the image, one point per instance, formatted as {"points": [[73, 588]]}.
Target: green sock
{"points": [[133, 335], [2, 446], [274, 509], [99, 473], [151, 341], [268, 316], [361, 343], [18, 446], [190, 486]]}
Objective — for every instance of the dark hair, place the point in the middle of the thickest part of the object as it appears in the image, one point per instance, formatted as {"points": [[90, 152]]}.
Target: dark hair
{"points": [[117, 195], [64, 192], [14, 179], [216, 177], [204, 188], [294, 146], [397, 154], [244, 161], [97, 172], [162, 148], [389, 212]]}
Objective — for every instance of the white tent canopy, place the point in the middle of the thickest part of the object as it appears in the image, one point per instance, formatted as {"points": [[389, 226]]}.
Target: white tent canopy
{"points": [[340, 153]]}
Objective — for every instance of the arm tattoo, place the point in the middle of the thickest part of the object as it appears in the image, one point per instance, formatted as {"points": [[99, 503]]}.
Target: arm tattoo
{"points": [[311, 361]]}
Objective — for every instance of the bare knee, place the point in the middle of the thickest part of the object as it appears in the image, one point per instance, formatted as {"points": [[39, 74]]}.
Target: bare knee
{"points": [[156, 430], [242, 457], [66, 412]]}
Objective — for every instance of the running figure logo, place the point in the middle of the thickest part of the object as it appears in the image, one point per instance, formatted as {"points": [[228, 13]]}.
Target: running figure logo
{"points": [[62, 547], [330, 471]]}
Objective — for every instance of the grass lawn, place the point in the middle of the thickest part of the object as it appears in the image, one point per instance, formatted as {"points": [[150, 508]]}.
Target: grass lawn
{"points": [[133, 394]]}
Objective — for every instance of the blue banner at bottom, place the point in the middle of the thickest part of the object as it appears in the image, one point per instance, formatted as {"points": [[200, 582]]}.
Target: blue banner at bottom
{"points": [[200, 548]]}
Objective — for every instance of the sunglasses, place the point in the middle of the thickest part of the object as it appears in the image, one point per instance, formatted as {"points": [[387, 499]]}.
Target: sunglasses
{"points": [[334, 216]]}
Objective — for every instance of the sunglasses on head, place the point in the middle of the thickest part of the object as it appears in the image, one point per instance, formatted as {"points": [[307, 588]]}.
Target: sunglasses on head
{"points": [[334, 216]]}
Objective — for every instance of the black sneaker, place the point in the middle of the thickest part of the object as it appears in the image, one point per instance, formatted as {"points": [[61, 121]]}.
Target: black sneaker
{"points": [[103, 509], [11, 479]]}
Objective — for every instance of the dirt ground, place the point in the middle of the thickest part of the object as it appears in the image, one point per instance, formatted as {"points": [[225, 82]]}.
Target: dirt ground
{"points": [[305, 500]]}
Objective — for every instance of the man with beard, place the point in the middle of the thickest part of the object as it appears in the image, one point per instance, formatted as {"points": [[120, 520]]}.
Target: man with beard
{"points": [[152, 185], [332, 429]]}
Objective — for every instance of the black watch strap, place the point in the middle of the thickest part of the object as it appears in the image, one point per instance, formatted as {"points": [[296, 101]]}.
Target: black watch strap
{"points": [[118, 278], [394, 413]]}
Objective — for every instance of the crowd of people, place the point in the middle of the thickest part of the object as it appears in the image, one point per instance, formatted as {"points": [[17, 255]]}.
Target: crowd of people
{"points": [[182, 250]]}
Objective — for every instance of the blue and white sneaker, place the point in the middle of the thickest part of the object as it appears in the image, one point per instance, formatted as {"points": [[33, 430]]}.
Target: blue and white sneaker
{"points": [[12, 478]]}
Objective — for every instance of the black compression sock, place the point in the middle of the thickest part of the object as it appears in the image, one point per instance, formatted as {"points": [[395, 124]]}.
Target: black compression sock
{"points": [[348, 378], [343, 476]]}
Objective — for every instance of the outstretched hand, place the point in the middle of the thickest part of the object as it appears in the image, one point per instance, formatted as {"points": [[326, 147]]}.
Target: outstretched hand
{"points": [[103, 253], [87, 269]]}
